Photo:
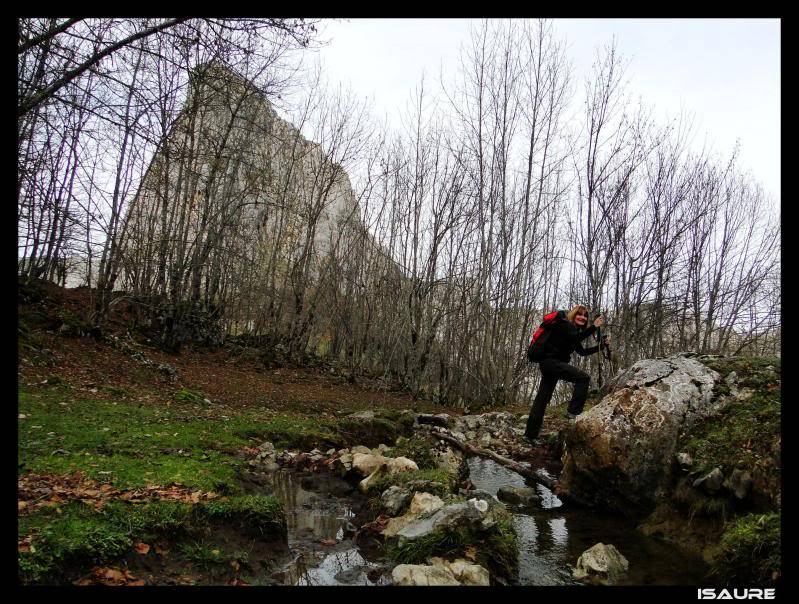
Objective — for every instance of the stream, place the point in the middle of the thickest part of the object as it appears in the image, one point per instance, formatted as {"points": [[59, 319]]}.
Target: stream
{"points": [[323, 513]]}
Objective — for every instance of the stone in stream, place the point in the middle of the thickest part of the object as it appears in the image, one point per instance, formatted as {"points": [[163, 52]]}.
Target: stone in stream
{"points": [[447, 518], [419, 574], [521, 496], [422, 504], [600, 565], [465, 572]]}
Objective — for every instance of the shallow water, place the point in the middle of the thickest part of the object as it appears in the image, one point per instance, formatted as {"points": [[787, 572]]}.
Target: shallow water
{"points": [[320, 510], [322, 513], [553, 537]]}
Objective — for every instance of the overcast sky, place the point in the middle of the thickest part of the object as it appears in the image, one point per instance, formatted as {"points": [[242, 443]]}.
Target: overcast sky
{"points": [[726, 72]]}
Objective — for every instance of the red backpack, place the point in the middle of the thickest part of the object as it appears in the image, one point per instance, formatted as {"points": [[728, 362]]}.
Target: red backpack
{"points": [[541, 335]]}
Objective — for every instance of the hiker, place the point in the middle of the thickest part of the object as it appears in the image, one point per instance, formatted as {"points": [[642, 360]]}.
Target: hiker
{"points": [[566, 332]]}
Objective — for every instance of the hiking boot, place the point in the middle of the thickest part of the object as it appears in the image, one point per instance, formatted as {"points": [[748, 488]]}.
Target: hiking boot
{"points": [[533, 442]]}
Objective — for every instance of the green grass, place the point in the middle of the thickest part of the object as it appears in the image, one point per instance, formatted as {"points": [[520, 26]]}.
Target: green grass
{"points": [[206, 554], [416, 448], [447, 481], [750, 551], [258, 515], [75, 533], [130, 444]]}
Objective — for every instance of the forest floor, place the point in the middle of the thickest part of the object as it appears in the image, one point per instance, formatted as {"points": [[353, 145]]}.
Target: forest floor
{"points": [[116, 458]]}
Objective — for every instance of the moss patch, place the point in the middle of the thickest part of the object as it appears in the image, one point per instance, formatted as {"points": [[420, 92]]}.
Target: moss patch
{"points": [[746, 433]]}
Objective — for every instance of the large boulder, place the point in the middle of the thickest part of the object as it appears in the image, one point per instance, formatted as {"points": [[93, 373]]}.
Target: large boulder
{"points": [[619, 453]]}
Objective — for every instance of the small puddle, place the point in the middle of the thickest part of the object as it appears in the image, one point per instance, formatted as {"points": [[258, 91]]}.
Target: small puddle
{"points": [[321, 517], [551, 540]]}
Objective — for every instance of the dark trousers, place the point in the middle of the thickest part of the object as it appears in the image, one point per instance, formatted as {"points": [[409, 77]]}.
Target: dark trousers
{"points": [[553, 370]]}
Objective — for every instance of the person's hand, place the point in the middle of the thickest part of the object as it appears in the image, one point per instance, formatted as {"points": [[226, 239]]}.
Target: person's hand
{"points": [[599, 321]]}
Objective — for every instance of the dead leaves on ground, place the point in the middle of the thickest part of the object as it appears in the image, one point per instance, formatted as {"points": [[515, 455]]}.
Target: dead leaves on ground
{"points": [[40, 490], [110, 576]]}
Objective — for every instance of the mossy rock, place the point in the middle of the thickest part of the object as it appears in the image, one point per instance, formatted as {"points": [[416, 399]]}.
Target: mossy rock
{"points": [[495, 549]]}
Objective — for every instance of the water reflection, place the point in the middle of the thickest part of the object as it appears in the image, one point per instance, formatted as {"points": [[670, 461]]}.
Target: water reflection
{"points": [[549, 545], [316, 522]]}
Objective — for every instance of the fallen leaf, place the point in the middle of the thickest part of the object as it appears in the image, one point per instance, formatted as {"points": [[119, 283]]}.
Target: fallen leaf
{"points": [[235, 565], [141, 548], [161, 550], [237, 582], [471, 553]]}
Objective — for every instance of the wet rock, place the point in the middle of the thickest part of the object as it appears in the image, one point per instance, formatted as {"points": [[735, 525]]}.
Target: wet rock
{"points": [[395, 499], [361, 449], [519, 496], [446, 519], [600, 565], [465, 572], [739, 483], [418, 574], [711, 482], [381, 449]]}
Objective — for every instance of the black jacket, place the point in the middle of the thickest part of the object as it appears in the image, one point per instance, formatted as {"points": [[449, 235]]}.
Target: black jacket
{"points": [[565, 338]]}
